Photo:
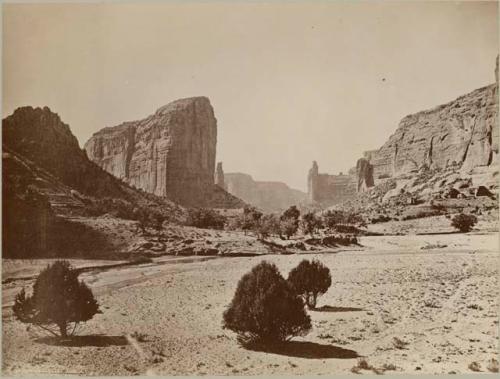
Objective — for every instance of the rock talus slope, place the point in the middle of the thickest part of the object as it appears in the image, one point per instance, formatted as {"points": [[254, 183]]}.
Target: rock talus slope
{"points": [[170, 153]]}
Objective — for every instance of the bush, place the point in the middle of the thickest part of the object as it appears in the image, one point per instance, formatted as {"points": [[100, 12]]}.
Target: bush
{"points": [[380, 219], [268, 225], [205, 218], [309, 280], [289, 221], [333, 218], [311, 223], [464, 222], [265, 309], [58, 300]]}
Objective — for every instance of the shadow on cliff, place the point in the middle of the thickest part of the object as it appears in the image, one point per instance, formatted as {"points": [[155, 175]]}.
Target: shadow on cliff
{"points": [[56, 237], [71, 239]]}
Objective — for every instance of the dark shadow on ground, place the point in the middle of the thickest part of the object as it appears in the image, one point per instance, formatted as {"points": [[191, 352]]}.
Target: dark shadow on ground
{"points": [[329, 308], [82, 341], [438, 233], [311, 350]]}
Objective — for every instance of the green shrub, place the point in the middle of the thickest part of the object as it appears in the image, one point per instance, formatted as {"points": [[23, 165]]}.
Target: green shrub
{"points": [[265, 308], [309, 280], [58, 300]]}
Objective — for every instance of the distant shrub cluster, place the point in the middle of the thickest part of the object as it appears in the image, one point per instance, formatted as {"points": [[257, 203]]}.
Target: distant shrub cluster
{"points": [[267, 309], [148, 216], [205, 218], [381, 218], [290, 222]]}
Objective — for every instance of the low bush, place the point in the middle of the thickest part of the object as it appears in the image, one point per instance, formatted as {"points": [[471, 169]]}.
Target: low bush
{"points": [[205, 218], [59, 299], [265, 309], [464, 222], [309, 280]]}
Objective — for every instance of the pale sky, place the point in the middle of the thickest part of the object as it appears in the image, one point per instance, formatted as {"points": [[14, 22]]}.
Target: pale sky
{"points": [[290, 82]]}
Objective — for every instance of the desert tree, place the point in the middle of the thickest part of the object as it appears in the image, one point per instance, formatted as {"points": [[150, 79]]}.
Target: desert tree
{"points": [[464, 222], [289, 221], [311, 223], [265, 309], [59, 300], [268, 225], [250, 219], [309, 280]]}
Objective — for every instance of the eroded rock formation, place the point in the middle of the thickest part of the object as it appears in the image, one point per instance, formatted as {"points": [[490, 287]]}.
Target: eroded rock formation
{"points": [[170, 153], [364, 173], [268, 196], [327, 189], [463, 132], [219, 176]]}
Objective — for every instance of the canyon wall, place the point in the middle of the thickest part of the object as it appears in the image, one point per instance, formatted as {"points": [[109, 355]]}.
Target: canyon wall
{"points": [[170, 153], [327, 189], [463, 132], [268, 196]]}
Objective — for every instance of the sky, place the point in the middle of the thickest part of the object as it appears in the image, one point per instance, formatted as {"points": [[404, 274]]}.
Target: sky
{"points": [[289, 82]]}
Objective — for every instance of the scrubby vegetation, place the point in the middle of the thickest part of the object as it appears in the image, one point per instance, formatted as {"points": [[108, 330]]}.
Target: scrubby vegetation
{"points": [[59, 299], [309, 280], [464, 222], [265, 309], [205, 218], [291, 223]]}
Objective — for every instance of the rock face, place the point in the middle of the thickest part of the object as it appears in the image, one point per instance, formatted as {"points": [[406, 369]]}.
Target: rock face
{"points": [[364, 171], [219, 176], [170, 153], [268, 196], [463, 132], [327, 189], [39, 135]]}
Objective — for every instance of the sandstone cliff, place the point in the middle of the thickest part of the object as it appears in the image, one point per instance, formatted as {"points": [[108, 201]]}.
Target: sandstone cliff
{"points": [[463, 132], [268, 196], [364, 173], [170, 153]]}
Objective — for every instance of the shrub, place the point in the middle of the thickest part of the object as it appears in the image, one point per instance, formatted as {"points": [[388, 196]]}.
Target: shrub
{"points": [[289, 227], [268, 225], [380, 219], [205, 218], [289, 221], [311, 223], [58, 300], [332, 218], [464, 222], [309, 280], [265, 309]]}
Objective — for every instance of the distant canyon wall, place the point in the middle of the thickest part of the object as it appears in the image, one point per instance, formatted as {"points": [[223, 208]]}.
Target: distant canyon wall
{"points": [[327, 189], [268, 196], [170, 153]]}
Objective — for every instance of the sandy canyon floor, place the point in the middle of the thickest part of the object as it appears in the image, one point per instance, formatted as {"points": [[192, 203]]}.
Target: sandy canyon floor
{"points": [[425, 304]]}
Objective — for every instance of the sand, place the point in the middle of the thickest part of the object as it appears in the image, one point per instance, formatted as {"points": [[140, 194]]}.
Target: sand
{"points": [[397, 302]]}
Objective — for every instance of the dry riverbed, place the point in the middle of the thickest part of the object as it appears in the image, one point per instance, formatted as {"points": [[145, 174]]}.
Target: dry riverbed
{"points": [[425, 304]]}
